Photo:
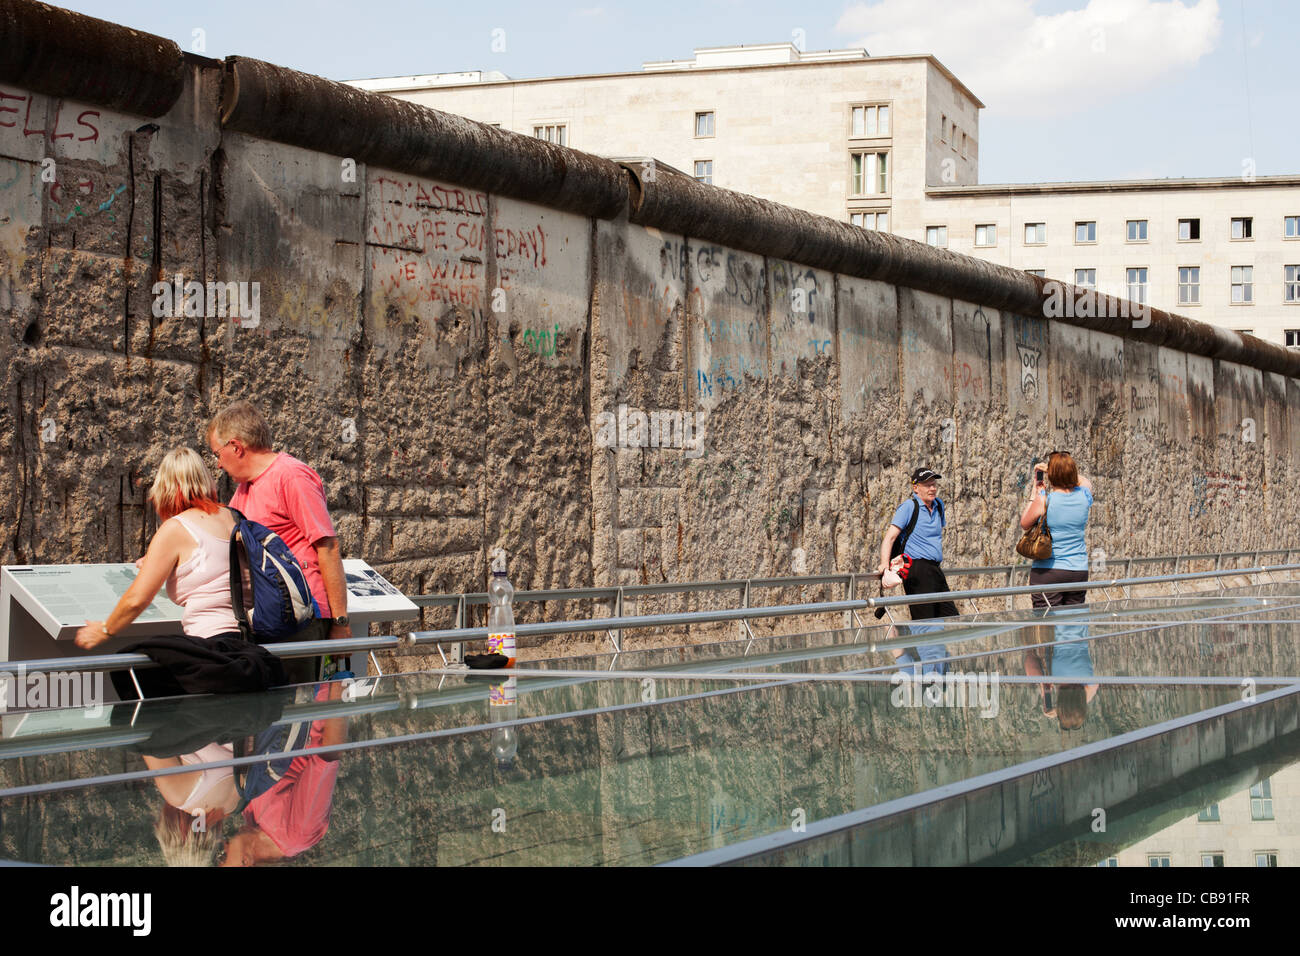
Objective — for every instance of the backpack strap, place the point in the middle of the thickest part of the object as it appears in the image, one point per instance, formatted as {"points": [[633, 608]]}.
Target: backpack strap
{"points": [[237, 578], [901, 543]]}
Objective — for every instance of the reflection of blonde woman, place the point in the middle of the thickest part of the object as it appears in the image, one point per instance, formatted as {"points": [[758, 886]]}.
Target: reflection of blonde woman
{"points": [[195, 803], [190, 552]]}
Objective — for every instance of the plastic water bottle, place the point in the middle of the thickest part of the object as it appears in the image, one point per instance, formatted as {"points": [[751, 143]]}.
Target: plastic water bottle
{"points": [[503, 705], [501, 616]]}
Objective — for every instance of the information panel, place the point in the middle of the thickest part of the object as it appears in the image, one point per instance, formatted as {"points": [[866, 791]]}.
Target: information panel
{"points": [[60, 598]]}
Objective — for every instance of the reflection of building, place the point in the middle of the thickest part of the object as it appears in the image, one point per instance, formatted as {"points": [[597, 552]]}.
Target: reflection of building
{"points": [[1255, 827], [891, 143]]}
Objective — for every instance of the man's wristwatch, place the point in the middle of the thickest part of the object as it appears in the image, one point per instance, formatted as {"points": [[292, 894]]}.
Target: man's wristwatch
{"points": [[340, 621]]}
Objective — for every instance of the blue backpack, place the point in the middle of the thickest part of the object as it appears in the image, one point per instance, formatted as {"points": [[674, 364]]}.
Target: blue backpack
{"points": [[281, 601], [273, 743]]}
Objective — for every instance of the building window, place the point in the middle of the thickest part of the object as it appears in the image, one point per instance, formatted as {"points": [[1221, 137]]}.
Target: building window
{"points": [[1137, 230], [1243, 228], [1157, 859], [870, 174], [986, 235], [1291, 283], [1085, 231], [963, 145], [1189, 230], [1211, 859], [552, 134], [1291, 337], [1189, 285], [704, 170], [1266, 858], [1291, 227], [1041, 273], [879, 221], [1243, 285], [1085, 278], [954, 137], [1209, 814], [704, 124], [1035, 233], [936, 236], [870, 121], [1110, 861], [1137, 284], [1261, 802], [943, 128]]}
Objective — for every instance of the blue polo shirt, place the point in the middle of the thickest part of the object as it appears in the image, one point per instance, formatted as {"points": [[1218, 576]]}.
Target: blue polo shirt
{"points": [[926, 539]]}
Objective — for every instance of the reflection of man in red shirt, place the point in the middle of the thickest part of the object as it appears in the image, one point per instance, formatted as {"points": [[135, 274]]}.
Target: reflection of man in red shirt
{"points": [[294, 815]]}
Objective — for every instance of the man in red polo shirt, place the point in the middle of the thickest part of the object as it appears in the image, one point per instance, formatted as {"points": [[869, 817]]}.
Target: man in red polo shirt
{"points": [[279, 491]]}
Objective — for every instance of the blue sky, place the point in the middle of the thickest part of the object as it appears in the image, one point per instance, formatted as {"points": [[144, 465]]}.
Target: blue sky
{"points": [[1074, 89]]}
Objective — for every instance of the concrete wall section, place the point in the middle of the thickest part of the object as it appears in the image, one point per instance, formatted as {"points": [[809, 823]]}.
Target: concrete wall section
{"points": [[608, 401], [637, 368]]}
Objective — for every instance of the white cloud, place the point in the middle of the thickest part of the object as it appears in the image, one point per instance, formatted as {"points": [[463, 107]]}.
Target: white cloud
{"points": [[1018, 61]]}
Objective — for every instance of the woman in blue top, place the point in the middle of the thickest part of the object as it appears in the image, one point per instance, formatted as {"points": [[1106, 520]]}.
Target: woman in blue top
{"points": [[1066, 496]]}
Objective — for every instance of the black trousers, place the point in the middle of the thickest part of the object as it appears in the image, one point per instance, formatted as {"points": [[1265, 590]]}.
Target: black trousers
{"points": [[926, 577], [1057, 576], [306, 670]]}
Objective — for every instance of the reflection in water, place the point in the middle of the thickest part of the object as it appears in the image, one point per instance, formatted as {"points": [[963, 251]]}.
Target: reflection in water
{"points": [[1069, 656], [287, 800], [503, 705], [633, 782], [279, 807], [193, 804]]}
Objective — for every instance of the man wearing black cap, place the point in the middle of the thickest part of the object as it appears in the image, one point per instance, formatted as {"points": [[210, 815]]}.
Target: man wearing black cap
{"points": [[916, 530]]}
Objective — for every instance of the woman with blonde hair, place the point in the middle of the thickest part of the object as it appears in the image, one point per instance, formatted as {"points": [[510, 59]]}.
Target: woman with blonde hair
{"points": [[190, 553]]}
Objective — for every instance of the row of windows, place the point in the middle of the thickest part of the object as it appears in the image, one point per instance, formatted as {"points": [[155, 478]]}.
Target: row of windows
{"points": [[1085, 231], [878, 221], [1261, 804], [555, 133], [1241, 283], [1261, 801], [865, 122], [948, 133], [1208, 858]]}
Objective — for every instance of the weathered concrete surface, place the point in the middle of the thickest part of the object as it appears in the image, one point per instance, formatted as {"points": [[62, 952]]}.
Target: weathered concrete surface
{"points": [[443, 354]]}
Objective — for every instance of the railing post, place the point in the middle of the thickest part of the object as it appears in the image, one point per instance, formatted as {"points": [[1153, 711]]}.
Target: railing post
{"points": [[1011, 577], [744, 602], [617, 636], [458, 647], [849, 596]]}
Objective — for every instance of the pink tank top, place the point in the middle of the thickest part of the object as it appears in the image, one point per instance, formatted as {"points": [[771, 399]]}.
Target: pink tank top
{"points": [[202, 585]]}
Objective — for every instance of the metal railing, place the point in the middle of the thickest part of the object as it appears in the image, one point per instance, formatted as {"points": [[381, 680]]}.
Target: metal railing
{"points": [[618, 595], [614, 625]]}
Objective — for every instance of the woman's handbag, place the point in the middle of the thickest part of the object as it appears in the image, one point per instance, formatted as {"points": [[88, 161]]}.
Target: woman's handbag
{"points": [[1037, 541]]}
